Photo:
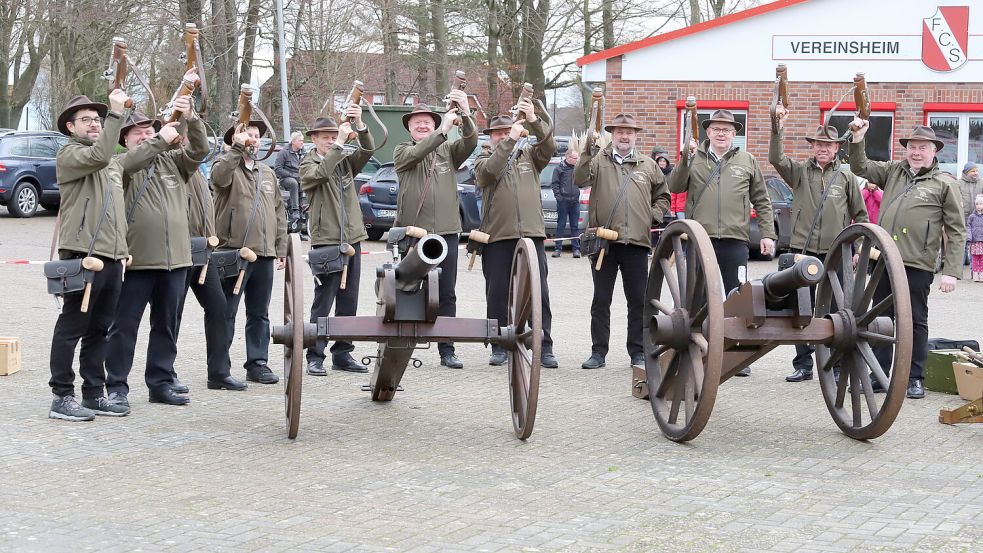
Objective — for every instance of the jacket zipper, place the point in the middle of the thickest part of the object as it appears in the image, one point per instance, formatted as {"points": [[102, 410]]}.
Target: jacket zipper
{"points": [[85, 212]]}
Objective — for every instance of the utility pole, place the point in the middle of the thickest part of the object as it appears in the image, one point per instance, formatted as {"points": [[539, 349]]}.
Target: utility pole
{"points": [[284, 106]]}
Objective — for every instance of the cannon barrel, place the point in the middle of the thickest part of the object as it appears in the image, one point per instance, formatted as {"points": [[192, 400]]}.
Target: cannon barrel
{"points": [[807, 271], [428, 252]]}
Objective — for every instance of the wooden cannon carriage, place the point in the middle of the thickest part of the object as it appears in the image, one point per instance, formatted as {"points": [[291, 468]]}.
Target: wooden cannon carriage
{"points": [[695, 339], [407, 293]]}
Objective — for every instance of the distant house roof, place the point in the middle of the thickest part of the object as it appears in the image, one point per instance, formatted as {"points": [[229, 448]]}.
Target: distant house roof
{"points": [[686, 31]]}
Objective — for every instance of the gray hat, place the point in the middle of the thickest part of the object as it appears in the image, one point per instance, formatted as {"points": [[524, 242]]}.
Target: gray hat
{"points": [[969, 167]]}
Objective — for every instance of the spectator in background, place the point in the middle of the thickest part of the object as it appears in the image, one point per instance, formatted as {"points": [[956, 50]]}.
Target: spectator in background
{"points": [[970, 187], [872, 199], [567, 196], [287, 169], [974, 237]]}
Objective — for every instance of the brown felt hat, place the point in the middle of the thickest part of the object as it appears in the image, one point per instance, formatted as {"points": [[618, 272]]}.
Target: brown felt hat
{"points": [[75, 104], [820, 136], [417, 109], [136, 119], [921, 132], [252, 123], [722, 116], [323, 124], [499, 122], [626, 120]]}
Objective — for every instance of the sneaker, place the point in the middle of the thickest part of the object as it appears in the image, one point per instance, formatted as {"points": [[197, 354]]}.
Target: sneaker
{"points": [[68, 409], [103, 407], [576, 254], [119, 398], [557, 253], [261, 373], [638, 360], [548, 361], [497, 359], [595, 361]]}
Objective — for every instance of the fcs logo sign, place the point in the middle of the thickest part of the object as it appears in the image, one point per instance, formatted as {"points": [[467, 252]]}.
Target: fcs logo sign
{"points": [[945, 37]]}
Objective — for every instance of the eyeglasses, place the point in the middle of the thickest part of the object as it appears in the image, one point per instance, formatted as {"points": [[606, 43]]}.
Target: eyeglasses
{"points": [[720, 130], [88, 120]]}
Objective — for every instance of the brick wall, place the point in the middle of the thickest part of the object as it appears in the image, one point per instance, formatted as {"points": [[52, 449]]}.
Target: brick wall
{"points": [[654, 106]]}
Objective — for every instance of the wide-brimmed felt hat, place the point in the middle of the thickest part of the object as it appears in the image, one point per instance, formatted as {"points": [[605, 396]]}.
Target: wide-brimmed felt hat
{"points": [[722, 116], [136, 119], [623, 120], [499, 122], [75, 104], [921, 132], [252, 123], [821, 136], [417, 109], [323, 124]]}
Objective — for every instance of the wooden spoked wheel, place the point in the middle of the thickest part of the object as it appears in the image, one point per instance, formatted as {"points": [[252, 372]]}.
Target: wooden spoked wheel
{"points": [[293, 332], [846, 296], [525, 317], [683, 330]]}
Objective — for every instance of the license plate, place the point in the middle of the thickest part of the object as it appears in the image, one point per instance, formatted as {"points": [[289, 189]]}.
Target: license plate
{"points": [[549, 215], [385, 213]]}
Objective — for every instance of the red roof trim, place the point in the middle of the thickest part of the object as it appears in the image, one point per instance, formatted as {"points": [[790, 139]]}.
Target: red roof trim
{"points": [[686, 31]]}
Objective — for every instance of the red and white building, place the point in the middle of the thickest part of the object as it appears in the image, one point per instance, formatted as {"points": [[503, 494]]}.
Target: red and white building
{"points": [[923, 62]]}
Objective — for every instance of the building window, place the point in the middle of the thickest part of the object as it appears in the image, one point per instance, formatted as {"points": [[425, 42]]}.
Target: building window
{"points": [[410, 100], [339, 101], [378, 99], [740, 115], [879, 137], [962, 133]]}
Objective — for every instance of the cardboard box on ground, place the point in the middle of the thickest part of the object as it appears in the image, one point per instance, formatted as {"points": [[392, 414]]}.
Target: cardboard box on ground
{"points": [[9, 355]]}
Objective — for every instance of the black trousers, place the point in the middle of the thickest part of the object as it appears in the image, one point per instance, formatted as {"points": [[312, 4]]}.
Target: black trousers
{"points": [[163, 291], [919, 285], [327, 289], [804, 352], [91, 328], [448, 284], [567, 212], [633, 262], [496, 265], [731, 256], [211, 298], [257, 287]]}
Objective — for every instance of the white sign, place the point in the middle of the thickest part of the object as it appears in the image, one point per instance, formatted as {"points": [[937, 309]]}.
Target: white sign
{"points": [[836, 47]]}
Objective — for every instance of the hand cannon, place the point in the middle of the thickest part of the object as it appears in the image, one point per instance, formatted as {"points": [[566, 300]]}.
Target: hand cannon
{"points": [[407, 292], [695, 340]]}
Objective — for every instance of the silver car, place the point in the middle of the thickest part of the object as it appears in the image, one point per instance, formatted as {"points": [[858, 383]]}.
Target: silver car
{"points": [[549, 201]]}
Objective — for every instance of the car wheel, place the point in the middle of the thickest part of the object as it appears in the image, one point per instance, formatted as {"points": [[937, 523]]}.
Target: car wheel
{"points": [[24, 200], [375, 233]]}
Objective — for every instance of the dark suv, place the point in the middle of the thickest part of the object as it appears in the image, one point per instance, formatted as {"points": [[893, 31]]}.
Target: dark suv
{"points": [[27, 171]]}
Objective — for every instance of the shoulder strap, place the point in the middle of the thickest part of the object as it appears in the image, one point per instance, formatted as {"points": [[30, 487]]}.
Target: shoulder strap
{"points": [[429, 175], [819, 208], [342, 212], [200, 193], [621, 196], [102, 216], [252, 212], [505, 170], [713, 175], [143, 188]]}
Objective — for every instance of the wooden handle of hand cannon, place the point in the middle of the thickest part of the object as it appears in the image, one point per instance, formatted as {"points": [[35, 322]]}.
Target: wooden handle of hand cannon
{"points": [[191, 60], [481, 238], [604, 234], [694, 120], [92, 264], [596, 124], [781, 72], [118, 61], [355, 97], [526, 94], [245, 111], [212, 242], [860, 96], [250, 256], [458, 83], [348, 251], [974, 357], [415, 232]]}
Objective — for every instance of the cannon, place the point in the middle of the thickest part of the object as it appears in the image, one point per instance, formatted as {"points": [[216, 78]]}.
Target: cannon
{"points": [[407, 296], [695, 339]]}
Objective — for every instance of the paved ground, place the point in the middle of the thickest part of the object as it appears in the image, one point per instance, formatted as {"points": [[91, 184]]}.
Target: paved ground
{"points": [[438, 469]]}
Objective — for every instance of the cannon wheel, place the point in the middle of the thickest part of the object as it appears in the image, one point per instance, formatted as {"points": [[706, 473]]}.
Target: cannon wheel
{"points": [[525, 316], [864, 417], [293, 320], [687, 377]]}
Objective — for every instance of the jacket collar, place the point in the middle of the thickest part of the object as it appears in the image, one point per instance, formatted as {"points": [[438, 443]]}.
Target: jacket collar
{"points": [[705, 148], [631, 158], [923, 173]]}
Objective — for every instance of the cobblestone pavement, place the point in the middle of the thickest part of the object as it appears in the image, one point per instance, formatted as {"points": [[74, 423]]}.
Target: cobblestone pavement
{"points": [[438, 468]]}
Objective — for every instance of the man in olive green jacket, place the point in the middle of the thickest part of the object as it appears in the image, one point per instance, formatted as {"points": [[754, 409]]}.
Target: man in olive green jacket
{"points": [[210, 295], [155, 177], [629, 196], [507, 171], [428, 198], [249, 213], [920, 204], [723, 183], [826, 200], [327, 176], [91, 223]]}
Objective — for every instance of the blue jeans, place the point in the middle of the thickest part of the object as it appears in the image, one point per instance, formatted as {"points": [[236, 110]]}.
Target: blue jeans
{"points": [[567, 211]]}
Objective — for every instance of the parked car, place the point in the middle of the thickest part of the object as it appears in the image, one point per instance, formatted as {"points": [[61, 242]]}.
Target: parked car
{"points": [[781, 207], [27, 171], [549, 200]]}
